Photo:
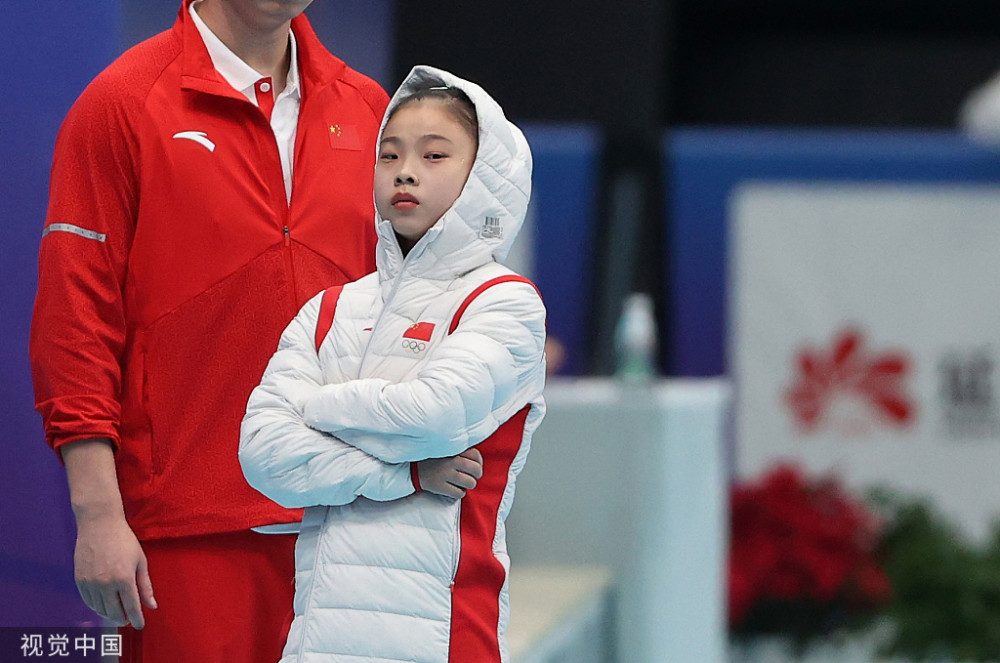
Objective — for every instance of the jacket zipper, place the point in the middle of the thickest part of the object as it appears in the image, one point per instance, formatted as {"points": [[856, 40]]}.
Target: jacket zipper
{"points": [[290, 268], [456, 545], [385, 306], [321, 537], [283, 208]]}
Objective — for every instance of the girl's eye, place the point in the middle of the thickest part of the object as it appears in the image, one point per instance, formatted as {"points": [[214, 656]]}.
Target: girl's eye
{"points": [[385, 156], [433, 156]]}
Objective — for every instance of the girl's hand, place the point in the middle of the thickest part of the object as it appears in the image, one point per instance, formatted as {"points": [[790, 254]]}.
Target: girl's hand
{"points": [[451, 477]]}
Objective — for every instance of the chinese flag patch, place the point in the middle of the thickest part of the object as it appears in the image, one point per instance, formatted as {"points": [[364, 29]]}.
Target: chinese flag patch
{"points": [[421, 331], [343, 136]]}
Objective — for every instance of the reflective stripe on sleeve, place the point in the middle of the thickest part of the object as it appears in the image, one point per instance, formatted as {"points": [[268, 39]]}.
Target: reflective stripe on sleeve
{"points": [[76, 230]]}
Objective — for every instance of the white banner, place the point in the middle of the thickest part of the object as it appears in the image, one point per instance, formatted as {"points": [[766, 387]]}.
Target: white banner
{"points": [[865, 327]]}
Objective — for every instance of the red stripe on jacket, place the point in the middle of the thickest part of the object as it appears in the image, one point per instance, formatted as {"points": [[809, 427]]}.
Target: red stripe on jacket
{"points": [[475, 602], [478, 291], [327, 307]]}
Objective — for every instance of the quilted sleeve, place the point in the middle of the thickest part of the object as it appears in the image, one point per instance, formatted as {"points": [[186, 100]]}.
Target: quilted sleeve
{"points": [[477, 378], [291, 463]]}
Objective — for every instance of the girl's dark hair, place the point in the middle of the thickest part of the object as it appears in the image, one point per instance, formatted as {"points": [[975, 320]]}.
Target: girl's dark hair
{"points": [[455, 101]]}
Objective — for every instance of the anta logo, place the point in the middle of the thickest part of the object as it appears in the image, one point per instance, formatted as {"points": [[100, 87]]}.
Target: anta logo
{"points": [[850, 388], [199, 137]]}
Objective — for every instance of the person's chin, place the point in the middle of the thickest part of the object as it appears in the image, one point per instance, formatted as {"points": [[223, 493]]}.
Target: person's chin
{"points": [[404, 229]]}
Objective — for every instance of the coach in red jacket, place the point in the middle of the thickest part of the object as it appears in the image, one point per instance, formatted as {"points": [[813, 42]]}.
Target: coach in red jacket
{"points": [[204, 186]]}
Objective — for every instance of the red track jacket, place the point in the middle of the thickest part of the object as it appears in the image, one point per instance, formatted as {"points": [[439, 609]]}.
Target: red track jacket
{"points": [[171, 263]]}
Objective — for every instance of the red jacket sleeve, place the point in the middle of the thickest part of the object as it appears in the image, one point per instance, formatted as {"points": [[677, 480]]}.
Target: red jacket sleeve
{"points": [[78, 327]]}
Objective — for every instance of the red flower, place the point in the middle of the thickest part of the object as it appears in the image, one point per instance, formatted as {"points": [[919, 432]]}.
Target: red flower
{"points": [[795, 542]]}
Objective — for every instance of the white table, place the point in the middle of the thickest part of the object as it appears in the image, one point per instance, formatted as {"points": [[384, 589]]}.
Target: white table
{"points": [[560, 613], [634, 479]]}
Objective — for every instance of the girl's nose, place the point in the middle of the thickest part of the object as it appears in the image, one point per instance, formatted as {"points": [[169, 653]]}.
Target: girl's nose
{"points": [[405, 178]]}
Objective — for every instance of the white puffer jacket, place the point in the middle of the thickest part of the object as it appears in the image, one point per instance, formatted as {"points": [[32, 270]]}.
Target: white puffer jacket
{"points": [[432, 354]]}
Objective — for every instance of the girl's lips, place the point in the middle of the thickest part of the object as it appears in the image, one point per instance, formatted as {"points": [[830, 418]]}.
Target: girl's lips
{"points": [[404, 201]]}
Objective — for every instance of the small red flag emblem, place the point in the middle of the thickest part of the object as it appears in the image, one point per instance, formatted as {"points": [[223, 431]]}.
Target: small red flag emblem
{"points": [[421, 331], [344, 136]]}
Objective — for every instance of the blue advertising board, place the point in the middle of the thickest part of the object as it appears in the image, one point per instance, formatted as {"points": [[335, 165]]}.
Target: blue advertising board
{"points": [[703, 167]]}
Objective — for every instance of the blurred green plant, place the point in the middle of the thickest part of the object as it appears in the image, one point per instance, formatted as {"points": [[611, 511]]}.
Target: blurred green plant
{"points": [[946, 592]]}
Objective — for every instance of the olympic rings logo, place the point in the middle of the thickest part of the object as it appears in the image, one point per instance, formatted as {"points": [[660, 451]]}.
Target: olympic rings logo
{"points": [[413, 346]]}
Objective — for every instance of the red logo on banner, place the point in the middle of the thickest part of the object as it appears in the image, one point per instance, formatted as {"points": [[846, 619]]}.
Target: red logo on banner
{"points": [[850, 386]]}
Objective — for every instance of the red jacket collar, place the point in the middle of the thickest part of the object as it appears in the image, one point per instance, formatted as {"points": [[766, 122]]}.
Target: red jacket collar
{"points": [[317, 67]]}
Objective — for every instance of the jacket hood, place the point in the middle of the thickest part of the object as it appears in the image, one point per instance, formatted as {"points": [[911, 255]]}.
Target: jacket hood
{"points": [[482, 223]]}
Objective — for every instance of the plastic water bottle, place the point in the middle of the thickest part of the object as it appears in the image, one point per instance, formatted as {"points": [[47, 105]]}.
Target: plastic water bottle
{"points": [[635, 339]]}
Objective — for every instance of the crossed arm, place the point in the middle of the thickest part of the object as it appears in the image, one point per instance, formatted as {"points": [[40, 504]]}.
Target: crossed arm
{"points": [[296, 465], [304, 443]]}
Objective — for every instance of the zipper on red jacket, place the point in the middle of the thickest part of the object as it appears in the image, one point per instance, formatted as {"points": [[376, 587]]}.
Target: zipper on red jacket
{"points": [[290, 268], [280, 203]]}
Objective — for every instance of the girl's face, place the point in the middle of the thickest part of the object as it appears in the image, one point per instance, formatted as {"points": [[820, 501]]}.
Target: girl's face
{"points": [[424, 160]]}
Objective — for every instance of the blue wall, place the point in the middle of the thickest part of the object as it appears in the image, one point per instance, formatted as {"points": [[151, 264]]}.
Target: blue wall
{"points": [[564, 197], [53, 48]]}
